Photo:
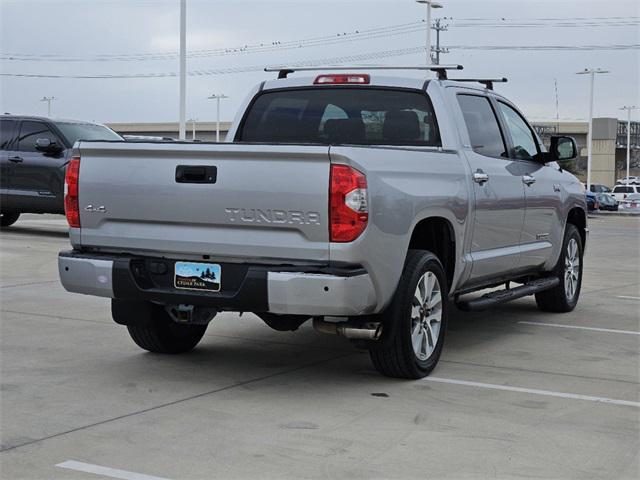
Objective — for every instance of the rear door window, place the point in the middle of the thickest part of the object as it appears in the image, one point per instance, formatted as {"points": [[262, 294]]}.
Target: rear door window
{"points": [[7, 132], [340, 115], [482, 124], [622, 190], [30, 132]]}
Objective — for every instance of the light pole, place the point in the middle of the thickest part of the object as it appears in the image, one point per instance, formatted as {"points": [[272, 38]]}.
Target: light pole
{"points": [[183, 67], [193, 127], [48, 100], [592, 73], [430, 4], [217, 98], [628, 109]]}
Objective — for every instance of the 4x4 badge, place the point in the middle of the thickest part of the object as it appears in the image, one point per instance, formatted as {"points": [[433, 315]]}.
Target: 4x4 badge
{"points": [[91, 208]]}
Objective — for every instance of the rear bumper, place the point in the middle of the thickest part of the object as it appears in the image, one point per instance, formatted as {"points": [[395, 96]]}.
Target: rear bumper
{"points": [[250, 288]]}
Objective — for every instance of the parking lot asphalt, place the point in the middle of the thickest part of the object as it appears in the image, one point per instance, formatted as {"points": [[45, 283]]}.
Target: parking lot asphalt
{"points": [[510, 398]]}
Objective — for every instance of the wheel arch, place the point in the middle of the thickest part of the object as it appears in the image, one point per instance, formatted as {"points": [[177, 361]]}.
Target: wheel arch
{"points": [[578, 217], [437, 235]]}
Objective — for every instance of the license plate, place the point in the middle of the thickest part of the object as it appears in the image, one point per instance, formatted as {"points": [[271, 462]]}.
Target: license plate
{"points": [[198, 276]]}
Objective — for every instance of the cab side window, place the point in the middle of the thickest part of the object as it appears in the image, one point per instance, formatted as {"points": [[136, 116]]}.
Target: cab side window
{"points": [[32, 131], [482, 125], [525, 146], [7, 130]]}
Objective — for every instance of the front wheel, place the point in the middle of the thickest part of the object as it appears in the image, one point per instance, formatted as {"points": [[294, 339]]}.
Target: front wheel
{"points": [[8, 219], [564, 297], [416, 320]]}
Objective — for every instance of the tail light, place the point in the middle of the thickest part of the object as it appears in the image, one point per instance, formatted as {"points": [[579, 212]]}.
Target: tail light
{"points": [[348, 207], [71, 203]]}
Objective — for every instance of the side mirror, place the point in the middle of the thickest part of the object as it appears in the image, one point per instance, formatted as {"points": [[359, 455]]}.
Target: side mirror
{"points": [[562, 148], [47, 146]]}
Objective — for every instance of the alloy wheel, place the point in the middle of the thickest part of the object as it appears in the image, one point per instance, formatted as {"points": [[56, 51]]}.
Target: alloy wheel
{"points": [[426, 316]]}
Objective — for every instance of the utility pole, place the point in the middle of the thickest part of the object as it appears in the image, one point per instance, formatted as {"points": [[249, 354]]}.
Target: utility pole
{"points": [[217, 98], [183, 67], [430, 4], [592, 73], [555, 84], [48, 100], [438, 26], [628, 109]]}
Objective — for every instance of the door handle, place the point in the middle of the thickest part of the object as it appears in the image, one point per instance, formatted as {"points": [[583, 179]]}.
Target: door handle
{"points": [[528, 180], [16, 159], [480, 177]]}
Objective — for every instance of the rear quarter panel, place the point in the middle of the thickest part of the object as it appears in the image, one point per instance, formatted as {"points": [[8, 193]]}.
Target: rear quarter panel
{"points": [[405, 185]]}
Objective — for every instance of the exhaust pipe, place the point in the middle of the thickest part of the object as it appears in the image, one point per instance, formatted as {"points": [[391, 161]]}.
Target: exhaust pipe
{"points": [[366, 331]]}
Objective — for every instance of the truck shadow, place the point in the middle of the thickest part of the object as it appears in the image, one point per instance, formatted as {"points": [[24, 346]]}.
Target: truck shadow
{"points": [[36, 231], [255, 352]]}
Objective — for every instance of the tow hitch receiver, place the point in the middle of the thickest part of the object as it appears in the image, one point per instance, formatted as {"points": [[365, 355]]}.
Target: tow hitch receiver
{"points": [[191, 314]]}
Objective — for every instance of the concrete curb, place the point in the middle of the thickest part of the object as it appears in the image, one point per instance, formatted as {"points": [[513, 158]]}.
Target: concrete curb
{"points": [[614, 214]]}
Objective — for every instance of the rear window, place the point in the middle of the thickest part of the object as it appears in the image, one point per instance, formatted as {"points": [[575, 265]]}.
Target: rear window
{"points": [[340, 115], [622, 190]]}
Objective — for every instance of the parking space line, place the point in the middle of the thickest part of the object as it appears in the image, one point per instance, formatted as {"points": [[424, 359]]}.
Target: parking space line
{"points": [[627, 297], [106, 471], [592, 329], [533, 391]]}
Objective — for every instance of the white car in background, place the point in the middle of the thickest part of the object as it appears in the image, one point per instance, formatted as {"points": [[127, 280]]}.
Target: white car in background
{"points": [[620, 192], [631, 203], [629, 181]]}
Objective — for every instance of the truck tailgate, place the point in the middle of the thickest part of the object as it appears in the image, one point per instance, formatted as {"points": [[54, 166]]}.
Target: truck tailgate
{"points": [[266, 202]]}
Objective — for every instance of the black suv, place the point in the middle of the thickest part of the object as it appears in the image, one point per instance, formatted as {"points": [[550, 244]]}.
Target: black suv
{"points": [[34, 152]]}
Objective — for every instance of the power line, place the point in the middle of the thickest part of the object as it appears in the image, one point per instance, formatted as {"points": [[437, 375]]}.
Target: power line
{"points": [[345, 37], [337, 60]]}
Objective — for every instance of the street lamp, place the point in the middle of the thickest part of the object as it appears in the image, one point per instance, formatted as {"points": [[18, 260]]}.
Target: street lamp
{"points": [[183, 70], [628, 109], [48, 100], [430, 4], [217, 98], [193, 126], [592, 72]]}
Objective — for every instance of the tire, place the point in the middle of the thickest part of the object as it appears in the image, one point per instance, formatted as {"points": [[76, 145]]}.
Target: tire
{"points": [[564, 297], [163, 335], [406, 321], [8, 219]]}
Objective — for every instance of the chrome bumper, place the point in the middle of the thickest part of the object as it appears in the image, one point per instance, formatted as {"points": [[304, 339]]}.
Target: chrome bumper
{"points": [[287, 293]]}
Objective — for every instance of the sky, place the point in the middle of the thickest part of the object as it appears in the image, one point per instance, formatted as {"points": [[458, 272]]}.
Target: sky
{"points": [[120, 37]]}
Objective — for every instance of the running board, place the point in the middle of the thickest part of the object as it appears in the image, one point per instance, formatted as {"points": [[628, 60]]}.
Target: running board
{"points": [[506, 295]]}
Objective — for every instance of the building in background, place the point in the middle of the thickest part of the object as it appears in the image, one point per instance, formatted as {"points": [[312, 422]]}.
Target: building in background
{"points": [[609, 161]]}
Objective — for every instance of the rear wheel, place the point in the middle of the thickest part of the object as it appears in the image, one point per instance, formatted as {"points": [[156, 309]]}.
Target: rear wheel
{"points": [[564, 297], [162, 335], [419, 313], [7, 219]]}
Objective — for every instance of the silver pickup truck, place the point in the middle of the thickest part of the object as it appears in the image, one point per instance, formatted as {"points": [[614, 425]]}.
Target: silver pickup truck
{"points": [[363, 202]]}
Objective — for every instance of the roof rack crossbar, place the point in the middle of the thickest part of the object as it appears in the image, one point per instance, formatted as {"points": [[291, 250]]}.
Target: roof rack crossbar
{"points": [[487, 82], [441, 70]]}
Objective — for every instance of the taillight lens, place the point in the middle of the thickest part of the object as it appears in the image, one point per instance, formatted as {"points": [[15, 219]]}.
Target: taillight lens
{"points": [[348, 207], [71, 203]]}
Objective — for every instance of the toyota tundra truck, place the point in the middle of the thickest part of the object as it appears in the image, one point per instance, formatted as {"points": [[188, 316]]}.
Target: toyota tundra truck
{"points": [[366, 203]]}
